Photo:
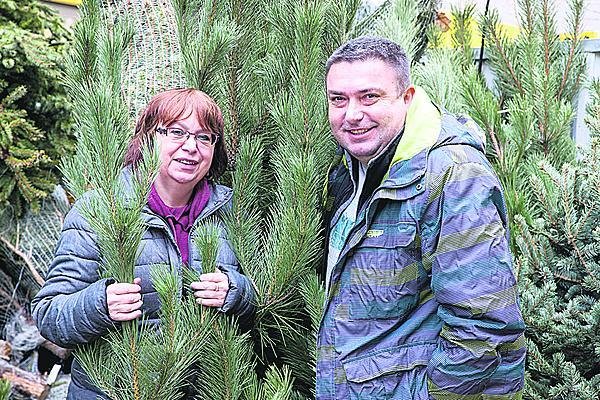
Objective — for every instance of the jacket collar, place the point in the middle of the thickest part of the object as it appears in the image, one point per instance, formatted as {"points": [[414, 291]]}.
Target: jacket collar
{"points": [[219, 196], [421, 131]]}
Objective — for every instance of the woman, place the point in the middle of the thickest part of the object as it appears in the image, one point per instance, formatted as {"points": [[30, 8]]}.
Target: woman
{"points": [[75, 306]]}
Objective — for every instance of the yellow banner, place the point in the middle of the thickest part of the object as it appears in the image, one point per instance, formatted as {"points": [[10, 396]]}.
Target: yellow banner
{"points": [[68, 2], [506, 30]]}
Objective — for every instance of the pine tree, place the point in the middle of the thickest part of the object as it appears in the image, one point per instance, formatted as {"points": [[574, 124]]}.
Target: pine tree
{"points": [[272, 85], [132, 362], [528, 115], [263, 62], [441, 70], [526, 118], [407, 22], [592, 118]]}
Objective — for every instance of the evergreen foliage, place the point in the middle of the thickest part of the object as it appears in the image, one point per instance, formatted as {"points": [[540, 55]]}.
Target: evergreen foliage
{"points": [[135, 361], [34, 112], [559, 277], [592, 118], [25, 171], [5, 389], [263, 62], [406, 22], [528, 114], [526, 117], [440, 70], [271, 87], [559, 274]]}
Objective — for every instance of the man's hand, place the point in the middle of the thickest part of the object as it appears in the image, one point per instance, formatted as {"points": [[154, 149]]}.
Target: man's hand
{"points": [[124, 300], [212, 289]]}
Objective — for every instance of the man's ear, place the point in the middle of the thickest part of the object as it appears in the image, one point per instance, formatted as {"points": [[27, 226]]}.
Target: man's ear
{"points": [[408, 95]]}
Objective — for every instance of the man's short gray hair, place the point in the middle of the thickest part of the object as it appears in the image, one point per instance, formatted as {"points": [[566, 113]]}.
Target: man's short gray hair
{"points": [[366, 48]]}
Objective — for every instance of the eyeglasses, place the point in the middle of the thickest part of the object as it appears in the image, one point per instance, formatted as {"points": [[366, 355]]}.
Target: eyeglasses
{"points": [[180, 135]]}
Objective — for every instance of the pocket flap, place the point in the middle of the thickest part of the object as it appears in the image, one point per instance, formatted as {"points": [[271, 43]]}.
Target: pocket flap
{"points": [[375, 364], [400, 234]]}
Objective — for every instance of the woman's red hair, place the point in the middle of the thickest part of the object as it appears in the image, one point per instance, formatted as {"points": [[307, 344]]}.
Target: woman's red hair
{"points": [[174, 105]]}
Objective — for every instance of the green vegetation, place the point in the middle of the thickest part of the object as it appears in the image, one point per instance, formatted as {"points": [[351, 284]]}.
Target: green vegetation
{"points": [[35, 117]]}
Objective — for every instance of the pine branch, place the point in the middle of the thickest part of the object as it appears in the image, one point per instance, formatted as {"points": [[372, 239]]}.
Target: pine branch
{"points": [[592, 118], [576, 19], [546, 18], [490, 30], [5, 389]]}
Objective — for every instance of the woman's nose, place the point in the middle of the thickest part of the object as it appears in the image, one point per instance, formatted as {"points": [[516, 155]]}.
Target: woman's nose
{"points": [[190, 143]]}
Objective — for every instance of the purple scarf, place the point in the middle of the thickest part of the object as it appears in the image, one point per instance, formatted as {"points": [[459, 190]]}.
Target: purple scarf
{"points": [[181, 219]]}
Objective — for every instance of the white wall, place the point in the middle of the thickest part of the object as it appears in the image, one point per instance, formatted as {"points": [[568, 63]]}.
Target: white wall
{"points": [[581, 133], [69, 13]]}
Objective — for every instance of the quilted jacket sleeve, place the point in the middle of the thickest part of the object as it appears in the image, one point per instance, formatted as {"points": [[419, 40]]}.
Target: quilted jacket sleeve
{"points": [[240, 298], [481, 348], [70, 308]]}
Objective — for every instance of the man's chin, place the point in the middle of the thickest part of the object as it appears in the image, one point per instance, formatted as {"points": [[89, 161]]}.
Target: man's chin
{"points": [[363, 155]]}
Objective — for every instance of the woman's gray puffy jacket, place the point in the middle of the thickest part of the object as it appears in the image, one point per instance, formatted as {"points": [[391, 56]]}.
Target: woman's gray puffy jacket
{"points": [[71, 308]]}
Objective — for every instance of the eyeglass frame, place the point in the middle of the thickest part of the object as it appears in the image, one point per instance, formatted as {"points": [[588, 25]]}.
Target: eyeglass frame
{"points": [[165, 131]]}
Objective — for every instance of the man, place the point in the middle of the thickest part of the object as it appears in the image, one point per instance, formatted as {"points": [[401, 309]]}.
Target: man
{"points": [[421, 297]]}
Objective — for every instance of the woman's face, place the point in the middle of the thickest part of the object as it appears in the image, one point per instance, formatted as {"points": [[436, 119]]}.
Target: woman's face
{"points": [[183, 163]]}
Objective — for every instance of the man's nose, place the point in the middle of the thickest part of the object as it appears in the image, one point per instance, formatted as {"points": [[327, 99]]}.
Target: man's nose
{"points": [[354, 112]]}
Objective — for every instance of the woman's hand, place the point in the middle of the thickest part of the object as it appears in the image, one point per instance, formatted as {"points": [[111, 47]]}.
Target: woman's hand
{"points": [[124, 300], [212, 289]]}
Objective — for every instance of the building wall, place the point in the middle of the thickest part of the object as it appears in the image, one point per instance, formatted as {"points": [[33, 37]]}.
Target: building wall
{"points": [[580, 131], [68, 12]]}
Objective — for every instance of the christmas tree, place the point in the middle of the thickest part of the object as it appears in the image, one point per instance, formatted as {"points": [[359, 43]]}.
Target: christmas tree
{"points": [[34, 112], [528, 115], [35, 132], [560, 276]]}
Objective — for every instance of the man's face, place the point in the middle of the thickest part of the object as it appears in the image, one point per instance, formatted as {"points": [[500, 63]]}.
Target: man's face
{"points": [[366, 110]]}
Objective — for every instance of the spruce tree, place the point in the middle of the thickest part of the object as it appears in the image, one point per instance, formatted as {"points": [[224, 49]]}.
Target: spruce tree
{"points": [[559, 276], [34, 112], [35, 132]]}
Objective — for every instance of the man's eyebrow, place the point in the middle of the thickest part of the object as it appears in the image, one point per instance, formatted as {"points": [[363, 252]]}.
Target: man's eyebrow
{"points": [[371, 89], [360, 91]]}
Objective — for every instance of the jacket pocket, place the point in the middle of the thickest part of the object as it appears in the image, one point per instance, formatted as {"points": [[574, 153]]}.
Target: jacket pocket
{"points": [[394, 373], [384, 271]]}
